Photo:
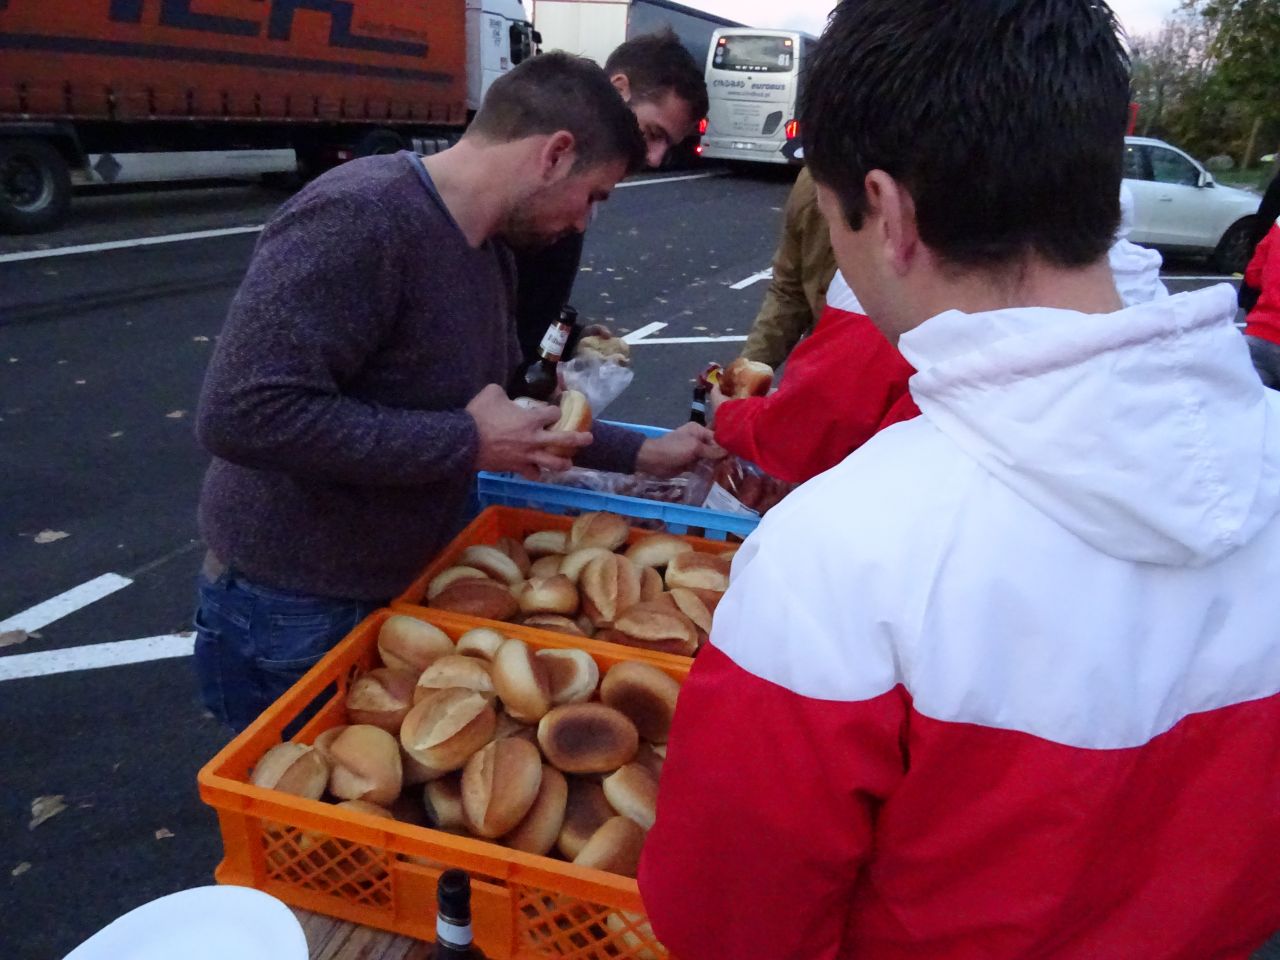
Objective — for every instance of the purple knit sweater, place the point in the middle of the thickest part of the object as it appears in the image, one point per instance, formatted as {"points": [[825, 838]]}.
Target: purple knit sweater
{"points": [[334, 403]]}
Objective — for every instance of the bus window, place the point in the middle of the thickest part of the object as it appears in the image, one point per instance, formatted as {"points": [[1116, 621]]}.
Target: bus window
{"points": [[755, 54]]}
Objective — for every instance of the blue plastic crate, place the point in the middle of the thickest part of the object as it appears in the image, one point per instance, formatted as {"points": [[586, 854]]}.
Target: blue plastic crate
{"points": [[509, 490]]}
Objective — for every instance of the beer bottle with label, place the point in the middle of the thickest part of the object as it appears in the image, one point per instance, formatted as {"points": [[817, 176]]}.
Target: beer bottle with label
{"points": [[453, 919], [536, 378], [701, 390]]}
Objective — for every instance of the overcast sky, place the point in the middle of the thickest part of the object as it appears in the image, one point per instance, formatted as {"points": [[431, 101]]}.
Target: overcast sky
{"points": [[1138, 16]]}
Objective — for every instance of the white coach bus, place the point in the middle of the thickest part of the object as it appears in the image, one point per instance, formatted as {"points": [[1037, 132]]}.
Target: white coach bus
{"points": [[753, 81]]}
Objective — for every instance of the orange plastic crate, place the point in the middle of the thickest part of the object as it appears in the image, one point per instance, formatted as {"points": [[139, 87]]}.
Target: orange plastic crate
{"points": [[498, 522], [383, 874]]}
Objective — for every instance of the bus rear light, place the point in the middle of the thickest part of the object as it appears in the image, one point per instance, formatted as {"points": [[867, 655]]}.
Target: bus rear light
{"points": [[793, 129], [702, 126]]}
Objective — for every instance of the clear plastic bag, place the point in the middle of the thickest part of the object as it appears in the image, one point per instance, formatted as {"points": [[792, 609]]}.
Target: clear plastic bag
{"points": [[740, 487], [600, 379], [689, 488]]}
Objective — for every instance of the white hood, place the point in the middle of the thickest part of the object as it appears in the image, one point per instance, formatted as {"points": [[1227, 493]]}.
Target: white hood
{"points": [[1146, 432]]}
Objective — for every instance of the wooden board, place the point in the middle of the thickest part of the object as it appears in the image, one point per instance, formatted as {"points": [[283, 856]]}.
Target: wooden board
{"points": [[330, 939]]}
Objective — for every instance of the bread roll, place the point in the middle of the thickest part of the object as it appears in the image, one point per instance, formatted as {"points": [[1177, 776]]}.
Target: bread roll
{"points": [[657, 550], [469, 673], [538, 831], [605, 530], [366, 765], [555, 624], [604, 345], [515, 550], [575, 417], [545, 567], [442, 581], [324, 739], [615, 848], [381, 697], [572, 674], [710, 598], [633, 792], [493, 562], [478, 598], [521, 681], [746, 378], [657, 624], [445, 728], [609, 585], [573, 565], [691, 605], [367, 808], [645, 695], [499, 785], [677, 648], [415, 773], [585, 812], [409, 644], [294, 768], [635, 934], [651, 586], [442, 801], [730, 552], [509, 726], [703, 571], [555, 594], [481, 643], [649, 758], [546, 543], [587, 738]]}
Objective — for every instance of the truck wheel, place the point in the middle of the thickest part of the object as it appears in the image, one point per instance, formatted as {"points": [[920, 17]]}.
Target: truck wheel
{"points": [[1234, 249], [378, 142], [35, 186]]}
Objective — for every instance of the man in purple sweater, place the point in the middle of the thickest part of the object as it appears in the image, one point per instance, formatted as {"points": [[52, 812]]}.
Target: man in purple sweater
{"points": [[356, 387]]}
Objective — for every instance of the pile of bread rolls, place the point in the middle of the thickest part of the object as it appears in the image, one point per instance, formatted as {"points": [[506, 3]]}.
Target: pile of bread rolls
{"points": [[656, 594], [490, 738]]}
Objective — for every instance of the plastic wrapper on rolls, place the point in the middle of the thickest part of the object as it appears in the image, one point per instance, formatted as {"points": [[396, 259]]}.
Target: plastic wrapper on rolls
{"points": [[688, 489], [601, 380], [739, 486]]}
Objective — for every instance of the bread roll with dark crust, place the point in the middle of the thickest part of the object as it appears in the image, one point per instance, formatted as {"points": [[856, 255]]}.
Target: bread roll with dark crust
{"points": [[455, 670], [609, 586], [614, 848], [659, 625], [538, 831], [515, 550], [573, 564], [645, 695], [545, 567], [605, 530], [408, 644], [366, 765], [587, 738], [294, 768], [481, 643], [521, 681], [657, 550], [691, 605], [651, 586], [703, 571], [633, 792], [573, 675], [546, 543], [555, 594], [446, 727], [494, 562], [499, 785], [442, 800], [442, 581], [746, 378], [649, 758], [586, 811], [575, 417], [478, 598], [381, 697], [555, 624]]}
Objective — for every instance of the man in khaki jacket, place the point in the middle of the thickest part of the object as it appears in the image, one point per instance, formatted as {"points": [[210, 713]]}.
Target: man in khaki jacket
{"points": [[803, 268]]}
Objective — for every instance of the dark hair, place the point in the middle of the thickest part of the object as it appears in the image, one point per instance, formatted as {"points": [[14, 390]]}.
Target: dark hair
{"points": [[658, 63], [1004, 119], [558, 91]]}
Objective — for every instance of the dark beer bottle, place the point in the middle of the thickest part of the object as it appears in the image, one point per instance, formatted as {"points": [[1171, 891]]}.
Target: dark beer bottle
{"points": [[453, 919], [701, 390], [536, 378]]}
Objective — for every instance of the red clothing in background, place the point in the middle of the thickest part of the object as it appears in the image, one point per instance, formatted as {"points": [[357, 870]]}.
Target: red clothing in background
{"points": [[1262, 274], [843, 385]]}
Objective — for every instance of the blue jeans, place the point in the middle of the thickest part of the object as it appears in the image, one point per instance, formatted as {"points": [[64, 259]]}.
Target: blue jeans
{"points": [[254, 642]]}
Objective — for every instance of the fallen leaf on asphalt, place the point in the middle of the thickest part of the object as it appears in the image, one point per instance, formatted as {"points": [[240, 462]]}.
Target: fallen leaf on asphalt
{"points": [[11, 638], [20, 869], [116, 435], [13, 359], [200, 339], [81, 382], [176, 414], [163, 834], [42, 808], [186, 633], [50, 536]]}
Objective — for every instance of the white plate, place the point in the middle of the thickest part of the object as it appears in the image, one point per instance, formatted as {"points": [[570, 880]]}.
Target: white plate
{"points": [[207, 923]]}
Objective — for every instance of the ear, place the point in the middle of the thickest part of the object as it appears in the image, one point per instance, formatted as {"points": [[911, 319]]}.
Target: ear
{"points": [[893, 211], [622, 83], [558, 155]]}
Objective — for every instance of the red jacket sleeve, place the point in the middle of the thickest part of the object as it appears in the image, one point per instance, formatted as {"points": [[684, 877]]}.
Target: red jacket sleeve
{"points": [[1253, 274], [765, 815], [839, 386]]}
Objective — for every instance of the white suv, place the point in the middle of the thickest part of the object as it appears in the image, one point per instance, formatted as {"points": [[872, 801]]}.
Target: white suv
{"points": [[1179, 208]]}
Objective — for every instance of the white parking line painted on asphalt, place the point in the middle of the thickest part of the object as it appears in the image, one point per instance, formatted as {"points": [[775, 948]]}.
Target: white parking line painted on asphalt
{"points": [[753, 279], [127, 244], [1224, 279], [65, 604], [664, 341], [635, 336], [96, 656], [652, 180]]}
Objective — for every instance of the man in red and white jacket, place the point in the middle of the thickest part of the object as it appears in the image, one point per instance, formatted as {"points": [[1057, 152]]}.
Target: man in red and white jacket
{"points": [[1004, 684], [1262, 327]]}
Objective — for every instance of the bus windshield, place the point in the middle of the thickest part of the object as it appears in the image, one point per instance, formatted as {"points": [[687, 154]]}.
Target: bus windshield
{"points": [[755, 54]]}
